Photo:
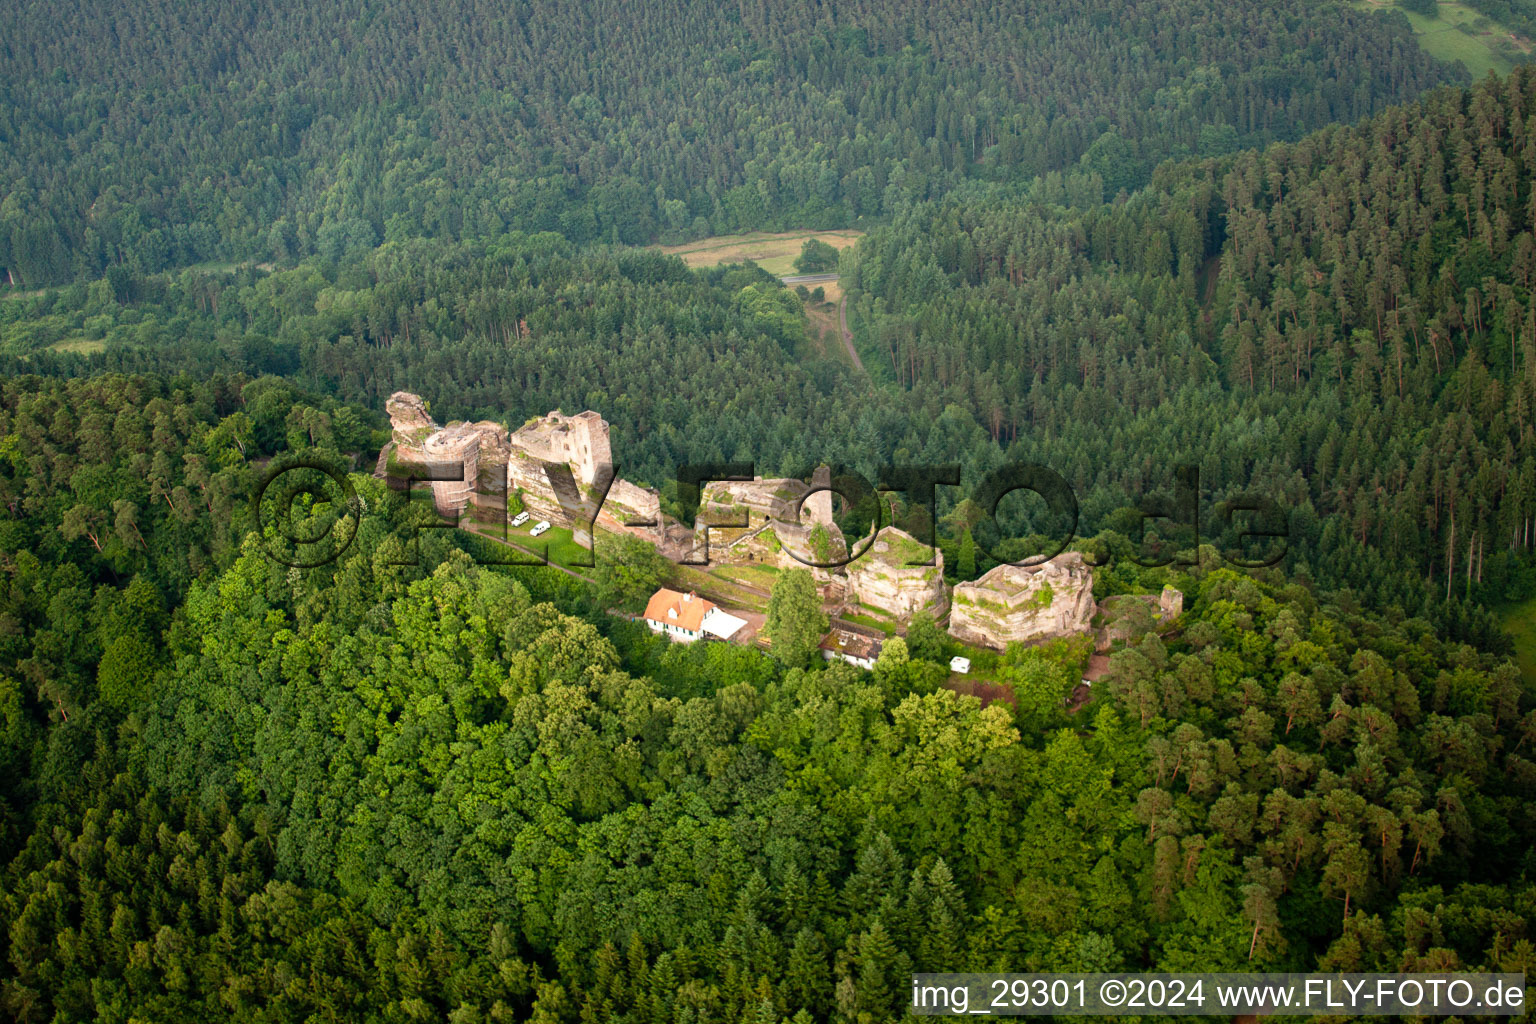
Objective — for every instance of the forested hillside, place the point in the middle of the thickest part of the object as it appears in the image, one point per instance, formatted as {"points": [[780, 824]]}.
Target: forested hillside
{"points": [[159, 134], [402, 793], [1342, 324], [1112, 238], [1346, 321]]}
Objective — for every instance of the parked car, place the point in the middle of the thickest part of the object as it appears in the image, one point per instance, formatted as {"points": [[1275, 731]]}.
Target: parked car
{"points": [[520, 519], [543, 525]]}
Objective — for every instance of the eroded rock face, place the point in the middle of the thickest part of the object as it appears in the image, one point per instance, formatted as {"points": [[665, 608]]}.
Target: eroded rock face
{"points": [[1018, 604], [409, 419], [493, 462], [881, 578], [1171, 603]]}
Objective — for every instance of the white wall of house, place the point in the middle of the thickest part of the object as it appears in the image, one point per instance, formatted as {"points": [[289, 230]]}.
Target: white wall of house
{"points": [[673, 632], [864, 663]]}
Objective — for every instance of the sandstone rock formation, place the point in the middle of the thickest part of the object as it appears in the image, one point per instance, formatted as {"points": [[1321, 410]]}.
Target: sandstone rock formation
{"points": [[1023, 603], [409, 419], [882, 579], [473, 453], [493, 463], [1170, 603], [775, 532]]}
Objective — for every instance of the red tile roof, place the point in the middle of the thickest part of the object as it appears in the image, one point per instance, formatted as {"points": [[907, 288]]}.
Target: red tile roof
{"points": [[688, 610]]}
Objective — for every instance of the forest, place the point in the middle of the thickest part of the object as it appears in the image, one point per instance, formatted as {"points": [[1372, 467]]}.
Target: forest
{"points": [[1273, 244], [444, 790], [268, 131]]}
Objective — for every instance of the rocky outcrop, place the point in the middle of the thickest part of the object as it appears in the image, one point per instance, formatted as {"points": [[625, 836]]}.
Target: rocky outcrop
{"points": [[410, 421], [1127, 617], [883, 580], [472, 455], [1170, 604], [787, 524], [1019, 604], [490, 463]]}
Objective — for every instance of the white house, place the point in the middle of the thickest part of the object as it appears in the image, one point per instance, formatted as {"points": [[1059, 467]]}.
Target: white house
{"points": [[687, 617], [680, 616]]}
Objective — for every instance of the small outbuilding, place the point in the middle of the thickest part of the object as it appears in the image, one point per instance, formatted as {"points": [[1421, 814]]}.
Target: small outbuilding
{"points": [[854, 648]]}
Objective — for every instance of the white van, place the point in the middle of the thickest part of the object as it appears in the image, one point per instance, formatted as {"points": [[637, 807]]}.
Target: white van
{"points": [[543, 525], [520, 519]]}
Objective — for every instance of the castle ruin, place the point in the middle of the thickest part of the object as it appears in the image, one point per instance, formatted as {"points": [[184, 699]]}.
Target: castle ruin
{"points": [[557, 464], [789, 524], [552, 463]]}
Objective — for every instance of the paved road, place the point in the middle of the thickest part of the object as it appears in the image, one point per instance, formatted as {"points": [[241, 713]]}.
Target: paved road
{"points": [[809, 279]]}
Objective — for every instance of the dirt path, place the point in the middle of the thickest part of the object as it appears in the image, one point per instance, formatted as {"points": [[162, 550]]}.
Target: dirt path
{"points": [[847, 335]]}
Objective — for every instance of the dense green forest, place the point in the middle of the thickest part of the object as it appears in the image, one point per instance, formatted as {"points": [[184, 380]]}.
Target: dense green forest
{"points": [[1113, 239], [379, 792], [157, 134], [1341, 324]]}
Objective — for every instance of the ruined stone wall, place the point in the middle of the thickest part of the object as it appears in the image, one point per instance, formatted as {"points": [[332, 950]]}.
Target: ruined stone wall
{"points": [[491, 479], [526, 478], [494, 463], [580, 441], [445, 452], [455, 450], [629, 503], [773, 499], [1018, 604], [763, 501], [774, 534]]}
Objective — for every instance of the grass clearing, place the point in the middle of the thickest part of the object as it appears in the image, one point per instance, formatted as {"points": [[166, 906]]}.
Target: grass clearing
{"points": [[775, 253], [822, 324], [562, 547], [1489, 47], [79, 346], [1520, 621], [761, 576], [715, 587], [885, 626]]}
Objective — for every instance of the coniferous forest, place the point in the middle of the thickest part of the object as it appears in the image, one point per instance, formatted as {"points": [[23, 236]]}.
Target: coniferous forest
{"points": [[1273, 241]]}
